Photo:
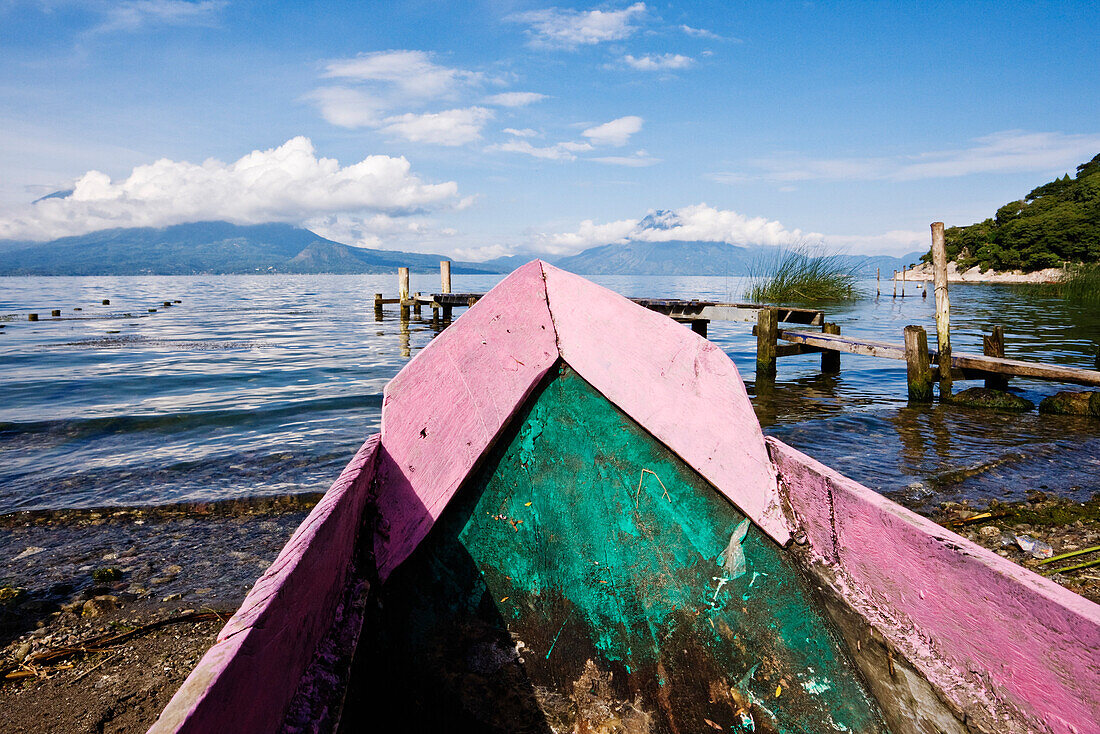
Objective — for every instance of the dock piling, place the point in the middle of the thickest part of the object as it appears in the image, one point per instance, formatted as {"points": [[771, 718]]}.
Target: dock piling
{"points": [[699, 326], [878, 283], [895, 279], [830, 359], [416, 304], [445, 284], [767, 326], [55, 313], [403, 292], [993, 345], [377, 306], [32, 317], [918, 365], [943, 308]]}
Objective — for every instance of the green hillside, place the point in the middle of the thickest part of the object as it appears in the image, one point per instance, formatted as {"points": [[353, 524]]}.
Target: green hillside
{"points": [[1056, 223]]}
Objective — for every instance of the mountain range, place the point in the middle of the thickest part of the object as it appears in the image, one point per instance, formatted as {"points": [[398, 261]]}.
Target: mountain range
{"points": [[221, 247]]}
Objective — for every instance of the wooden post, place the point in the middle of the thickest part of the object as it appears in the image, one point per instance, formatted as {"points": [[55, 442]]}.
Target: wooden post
{"points": [[903, 281], [830, 360], [767, 332], [878, 283], [416, 304], [943, 308], [471, 301], [895, 284], [403, 291], [993, 345], [56, 312], [106, 301], [445, 276], [918, 365], [32, 317], [699, 326]]}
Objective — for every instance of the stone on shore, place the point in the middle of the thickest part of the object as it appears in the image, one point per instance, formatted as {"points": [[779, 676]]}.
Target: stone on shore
{"points": [[1072, 403], [981, 397]]}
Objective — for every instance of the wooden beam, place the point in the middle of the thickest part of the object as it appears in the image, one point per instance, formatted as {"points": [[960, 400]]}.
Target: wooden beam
{"points": [[790, 350], [993, 345], [851, 345], [767, 331], [1019, 368], [943, 304], [830, 360], [918, 374]]}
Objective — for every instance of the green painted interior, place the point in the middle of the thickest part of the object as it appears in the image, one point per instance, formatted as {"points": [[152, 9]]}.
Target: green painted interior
{"points": [[586, 574]]}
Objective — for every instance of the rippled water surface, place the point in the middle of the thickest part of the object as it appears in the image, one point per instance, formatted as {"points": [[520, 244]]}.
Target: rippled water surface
{"points": [[257, 385]]}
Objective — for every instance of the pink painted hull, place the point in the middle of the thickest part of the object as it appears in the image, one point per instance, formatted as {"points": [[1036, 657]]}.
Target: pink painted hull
{"points": [[997, 645]]}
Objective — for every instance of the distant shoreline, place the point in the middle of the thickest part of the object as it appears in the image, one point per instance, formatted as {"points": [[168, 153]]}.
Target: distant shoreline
{"points": [[923, 272]]}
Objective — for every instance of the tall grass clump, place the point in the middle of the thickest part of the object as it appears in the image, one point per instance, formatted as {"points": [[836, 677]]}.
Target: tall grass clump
{"points": [[802, 274], [1081, 285]]}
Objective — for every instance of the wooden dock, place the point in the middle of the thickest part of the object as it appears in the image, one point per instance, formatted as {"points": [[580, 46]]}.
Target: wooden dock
{"points": [[923, 364]]}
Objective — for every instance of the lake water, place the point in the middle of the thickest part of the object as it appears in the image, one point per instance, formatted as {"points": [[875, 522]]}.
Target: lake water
{"points": [[260, 385]]}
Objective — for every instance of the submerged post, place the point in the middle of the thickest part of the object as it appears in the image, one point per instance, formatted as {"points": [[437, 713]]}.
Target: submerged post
{"points": [[993, 345], [378, 306], [830, 359], [878, 283], [416, 304], [943, 308], [767, 333], [918, 365]]}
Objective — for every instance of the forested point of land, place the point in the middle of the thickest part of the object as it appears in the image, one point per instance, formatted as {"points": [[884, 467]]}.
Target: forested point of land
{"points": [[1057, 223]]}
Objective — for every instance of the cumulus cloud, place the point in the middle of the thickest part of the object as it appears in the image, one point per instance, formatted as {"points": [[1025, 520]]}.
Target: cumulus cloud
{"points": [[134, 15], [570, 29], [515, 99], [411, 72], [1012, 151], [664, 62], [617, 132], [698, 222], [558, 152], [450, 127], [349, 108], [285, 184]]}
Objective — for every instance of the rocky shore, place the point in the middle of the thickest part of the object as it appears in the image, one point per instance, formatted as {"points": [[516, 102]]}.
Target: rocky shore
{"points": [[923, 272]]}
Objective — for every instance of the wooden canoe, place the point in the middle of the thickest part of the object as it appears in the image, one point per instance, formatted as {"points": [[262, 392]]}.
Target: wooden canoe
{"points": [[571, 522]]}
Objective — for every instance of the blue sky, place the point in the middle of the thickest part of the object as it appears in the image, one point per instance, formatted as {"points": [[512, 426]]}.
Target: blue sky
{"points": [[479, 129]]}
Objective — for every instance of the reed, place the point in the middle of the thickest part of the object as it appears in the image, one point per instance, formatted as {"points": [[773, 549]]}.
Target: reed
{"points": [[1081, 285], [802, 274]]}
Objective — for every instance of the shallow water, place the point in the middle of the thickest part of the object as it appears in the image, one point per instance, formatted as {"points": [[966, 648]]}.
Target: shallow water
{"points": [[260, 385]]}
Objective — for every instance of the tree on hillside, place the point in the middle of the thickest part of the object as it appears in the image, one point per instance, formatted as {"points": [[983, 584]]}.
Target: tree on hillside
{"points": [[1057, 222]]}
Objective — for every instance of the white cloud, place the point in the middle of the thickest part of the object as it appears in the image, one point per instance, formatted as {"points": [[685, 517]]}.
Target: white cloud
{"points": [[617, 132], [524, 133], [558, 152], [481, 254], [894, 242], [704, 33], [664, 62], [697, 222], [450, 127], [640, 159], [137, 14], [285, 184], [411, 72], [1012, 151], [566, 28], [515, 99], [349, 108]]}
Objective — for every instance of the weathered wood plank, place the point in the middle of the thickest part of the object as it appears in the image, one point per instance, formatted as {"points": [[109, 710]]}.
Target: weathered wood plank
{"points": [[1011, 650], [918, 373], [1019, 368], [843, 343], [659, 379], [445, 408]]}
